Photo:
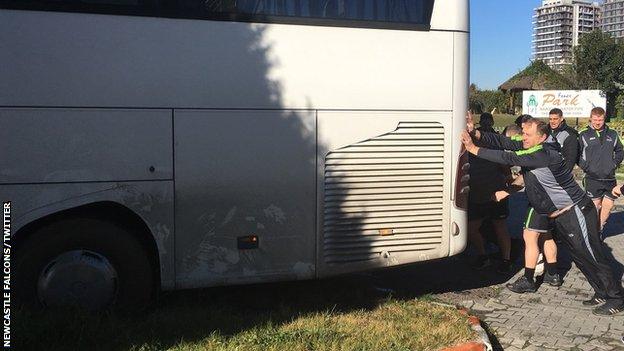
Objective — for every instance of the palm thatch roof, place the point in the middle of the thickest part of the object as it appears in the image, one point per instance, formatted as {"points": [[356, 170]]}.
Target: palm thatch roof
{"points": [[536, 76]]}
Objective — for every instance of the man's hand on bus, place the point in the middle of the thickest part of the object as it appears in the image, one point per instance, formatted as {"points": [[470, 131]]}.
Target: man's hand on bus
{"points": [[467, 141], [470, 126], [469, 122]]}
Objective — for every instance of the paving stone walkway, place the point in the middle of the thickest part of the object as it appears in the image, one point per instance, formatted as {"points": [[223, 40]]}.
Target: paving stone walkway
{"points": [[550, 319], [554, 318]]}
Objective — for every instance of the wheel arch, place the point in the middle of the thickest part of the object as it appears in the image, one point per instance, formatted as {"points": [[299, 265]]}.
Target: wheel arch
{"points": [[104, 210]]}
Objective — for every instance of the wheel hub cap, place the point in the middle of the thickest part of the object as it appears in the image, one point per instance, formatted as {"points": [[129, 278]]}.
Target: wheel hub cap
{"points": [[79, 278]]}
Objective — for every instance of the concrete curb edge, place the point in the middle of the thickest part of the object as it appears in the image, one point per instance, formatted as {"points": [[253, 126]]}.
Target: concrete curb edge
{"points": [[483, 341]]}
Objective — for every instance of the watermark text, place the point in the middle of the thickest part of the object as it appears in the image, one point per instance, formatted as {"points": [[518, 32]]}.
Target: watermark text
{"points": [[6, 274]]}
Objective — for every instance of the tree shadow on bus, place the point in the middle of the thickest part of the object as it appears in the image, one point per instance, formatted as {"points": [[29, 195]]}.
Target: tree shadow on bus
{"points": [[258, 175], [245, 172]]}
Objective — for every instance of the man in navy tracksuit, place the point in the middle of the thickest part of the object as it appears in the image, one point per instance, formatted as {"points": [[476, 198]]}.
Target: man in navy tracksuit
{"points": [[552, 191], [601, 153], [536, 226]]}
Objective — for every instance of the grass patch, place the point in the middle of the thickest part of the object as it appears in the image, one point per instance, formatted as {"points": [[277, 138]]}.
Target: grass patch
{"points": [[330, 315], [503, 120]]}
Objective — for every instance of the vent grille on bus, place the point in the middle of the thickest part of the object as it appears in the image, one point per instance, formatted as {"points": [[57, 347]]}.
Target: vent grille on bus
{"points": [[384, 195]]}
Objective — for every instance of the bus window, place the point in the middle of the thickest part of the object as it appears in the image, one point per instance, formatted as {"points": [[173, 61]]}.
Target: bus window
{"points": [[347, 13]]}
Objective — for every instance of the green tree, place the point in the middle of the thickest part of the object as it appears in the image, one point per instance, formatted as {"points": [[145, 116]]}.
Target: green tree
{"points": [[619, 106], [493, 99], [486, 100], [569, 74], [474, 103], [599, 64]]}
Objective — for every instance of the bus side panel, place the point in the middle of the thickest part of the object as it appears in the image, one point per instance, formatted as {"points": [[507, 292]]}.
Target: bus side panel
{"points": [[238, 174], [85, 145], [383, 193], [54, 159], [70, 59]]}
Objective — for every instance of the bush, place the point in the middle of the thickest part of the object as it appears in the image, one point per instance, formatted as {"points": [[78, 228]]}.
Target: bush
{"points": [[487, 100], [619, 106]]}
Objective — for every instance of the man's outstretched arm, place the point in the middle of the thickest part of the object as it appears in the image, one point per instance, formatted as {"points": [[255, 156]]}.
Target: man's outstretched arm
{"points": [[493, 140], [523, 158]]}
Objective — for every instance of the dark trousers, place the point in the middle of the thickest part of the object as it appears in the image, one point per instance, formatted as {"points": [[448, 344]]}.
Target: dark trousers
{"points": [[579, 230]]}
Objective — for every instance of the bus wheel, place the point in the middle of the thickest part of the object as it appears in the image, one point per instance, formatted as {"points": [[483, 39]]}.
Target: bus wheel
{"points": [[85, 263]]}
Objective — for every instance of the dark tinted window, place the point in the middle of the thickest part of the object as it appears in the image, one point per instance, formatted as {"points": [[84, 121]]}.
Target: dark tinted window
{"points": [[416, 13], [406, 11]]}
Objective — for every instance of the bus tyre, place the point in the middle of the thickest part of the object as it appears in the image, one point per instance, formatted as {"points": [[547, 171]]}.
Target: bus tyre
{"points": [[86, 263]]}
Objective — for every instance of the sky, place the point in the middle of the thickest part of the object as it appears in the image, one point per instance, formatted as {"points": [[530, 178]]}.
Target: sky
{"points": [[500, 39]]}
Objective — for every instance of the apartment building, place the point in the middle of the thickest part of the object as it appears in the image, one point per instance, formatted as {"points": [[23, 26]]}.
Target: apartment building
{"points": [[613, 18], [557, 27]]}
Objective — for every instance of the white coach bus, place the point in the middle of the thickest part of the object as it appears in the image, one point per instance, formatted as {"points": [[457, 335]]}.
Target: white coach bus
{"points": [[151, 145]]}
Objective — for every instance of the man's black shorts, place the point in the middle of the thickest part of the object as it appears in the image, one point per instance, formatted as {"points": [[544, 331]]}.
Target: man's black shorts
{"points": [[488, 210], [597, 189], [537, 222]]}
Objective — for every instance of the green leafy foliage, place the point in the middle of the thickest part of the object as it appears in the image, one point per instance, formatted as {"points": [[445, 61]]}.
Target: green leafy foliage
{"points": [[487, 100], [619, 106], [599, 64]]}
